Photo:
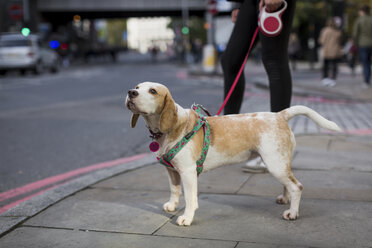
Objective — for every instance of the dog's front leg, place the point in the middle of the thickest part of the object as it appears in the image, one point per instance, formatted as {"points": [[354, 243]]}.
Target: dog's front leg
{"points": [[190, 186], [175, 188]]}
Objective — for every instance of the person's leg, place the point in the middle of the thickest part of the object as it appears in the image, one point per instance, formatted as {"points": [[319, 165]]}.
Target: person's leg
{"points": [[332, 65], [275, 60], [368, 65], [235, 52], [334, 69], [325, 68], [363, 55]]}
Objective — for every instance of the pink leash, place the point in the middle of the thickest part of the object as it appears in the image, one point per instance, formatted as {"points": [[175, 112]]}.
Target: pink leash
{"points": [[239, 73]]}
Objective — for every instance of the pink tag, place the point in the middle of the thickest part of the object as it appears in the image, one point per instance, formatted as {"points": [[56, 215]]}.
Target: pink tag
{"points": [[154, 146]]}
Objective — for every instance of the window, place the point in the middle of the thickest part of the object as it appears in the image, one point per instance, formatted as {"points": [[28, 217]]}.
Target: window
{"points": [[15, 43]]}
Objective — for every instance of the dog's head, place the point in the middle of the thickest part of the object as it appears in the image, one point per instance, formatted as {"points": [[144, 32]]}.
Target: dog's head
{"points": [[152, 99]]}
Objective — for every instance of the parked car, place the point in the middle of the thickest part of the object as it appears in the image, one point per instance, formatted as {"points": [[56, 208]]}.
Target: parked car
{"points": [[18, 52]]}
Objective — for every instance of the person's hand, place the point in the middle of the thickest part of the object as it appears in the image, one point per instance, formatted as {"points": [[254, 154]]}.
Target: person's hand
{"points": [[234, 15], [271, 5]]}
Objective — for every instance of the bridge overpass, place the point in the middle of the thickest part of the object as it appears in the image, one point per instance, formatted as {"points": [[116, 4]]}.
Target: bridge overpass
{"points": [[63, 11], [60, 12]]}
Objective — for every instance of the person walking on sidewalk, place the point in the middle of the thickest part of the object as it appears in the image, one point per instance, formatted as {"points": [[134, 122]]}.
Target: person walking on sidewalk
{"points": [[274, 56], [362, 35], [330, 39]]}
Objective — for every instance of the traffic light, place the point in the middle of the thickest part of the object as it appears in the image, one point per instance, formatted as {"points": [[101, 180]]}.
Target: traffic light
{"points": [[185, 30], [25, 31], [54, 44]]}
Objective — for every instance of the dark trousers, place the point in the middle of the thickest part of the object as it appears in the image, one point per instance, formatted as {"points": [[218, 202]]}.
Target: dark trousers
{"points": [[274, 57], [365, 57], [330, 64]]}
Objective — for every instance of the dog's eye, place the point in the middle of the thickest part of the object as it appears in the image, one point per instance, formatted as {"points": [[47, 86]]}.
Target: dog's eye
{"points": [[137, 87], [152, 91]]}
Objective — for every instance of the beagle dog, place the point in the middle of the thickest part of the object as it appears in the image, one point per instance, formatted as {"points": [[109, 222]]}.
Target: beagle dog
{"points": [[233, 139]]}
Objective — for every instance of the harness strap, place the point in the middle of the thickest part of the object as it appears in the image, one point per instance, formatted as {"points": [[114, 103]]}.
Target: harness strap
{"points": [[202, 122]]}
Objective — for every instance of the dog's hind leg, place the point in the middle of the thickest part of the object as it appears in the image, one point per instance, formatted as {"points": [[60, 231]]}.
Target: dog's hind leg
{"points": [[291, 184], [175, 188], [278, 162], [295, 190]]}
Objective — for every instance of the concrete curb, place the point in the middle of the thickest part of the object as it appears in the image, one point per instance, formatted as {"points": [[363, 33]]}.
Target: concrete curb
{"points": [[13, 217]]}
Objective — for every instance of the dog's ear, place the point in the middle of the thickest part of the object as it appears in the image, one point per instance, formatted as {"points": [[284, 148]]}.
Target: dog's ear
{"points": [[134, 120], [168, 117]]}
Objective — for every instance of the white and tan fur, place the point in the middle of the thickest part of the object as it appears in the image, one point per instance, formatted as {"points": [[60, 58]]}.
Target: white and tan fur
{"points": [[234, 139]]}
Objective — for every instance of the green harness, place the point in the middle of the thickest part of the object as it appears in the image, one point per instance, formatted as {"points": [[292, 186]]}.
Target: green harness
{"points": [[202, 122]]}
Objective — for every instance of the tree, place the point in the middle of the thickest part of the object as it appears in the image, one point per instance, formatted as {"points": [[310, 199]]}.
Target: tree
{"points": [[196, 27], [115, 29]]}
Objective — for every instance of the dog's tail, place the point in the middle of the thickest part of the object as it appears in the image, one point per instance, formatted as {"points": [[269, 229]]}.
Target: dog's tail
{"points": [[289, 113]]}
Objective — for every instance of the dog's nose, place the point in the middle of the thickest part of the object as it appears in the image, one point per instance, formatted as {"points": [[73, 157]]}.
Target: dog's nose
{"points": [[132, 93]]}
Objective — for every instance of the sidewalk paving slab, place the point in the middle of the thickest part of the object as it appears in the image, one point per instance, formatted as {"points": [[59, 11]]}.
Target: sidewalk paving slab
{"points": [[108, 210], [322, 223], [334, 185], [313, 159], [27, 237], [344, 143]]}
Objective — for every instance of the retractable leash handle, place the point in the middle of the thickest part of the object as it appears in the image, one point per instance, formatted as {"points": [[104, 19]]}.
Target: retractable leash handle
{"points": [[271, 23]]}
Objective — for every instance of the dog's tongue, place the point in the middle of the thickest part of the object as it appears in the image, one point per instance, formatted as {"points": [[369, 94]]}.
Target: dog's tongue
{"points": [[154, 146]]}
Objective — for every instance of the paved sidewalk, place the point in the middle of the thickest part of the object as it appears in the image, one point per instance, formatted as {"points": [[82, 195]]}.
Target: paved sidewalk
{"points": [[236, 209]]}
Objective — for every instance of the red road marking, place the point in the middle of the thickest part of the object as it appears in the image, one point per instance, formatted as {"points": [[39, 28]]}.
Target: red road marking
{"points": [[15, 203], [359, 131], [58, 178], [181, 75]]}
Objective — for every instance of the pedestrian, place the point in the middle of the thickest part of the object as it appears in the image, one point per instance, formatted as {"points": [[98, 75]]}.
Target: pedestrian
{"points": [[362, 35], [154, 53], [274, 57], [330, 40], [350, 51], [196, 50]]}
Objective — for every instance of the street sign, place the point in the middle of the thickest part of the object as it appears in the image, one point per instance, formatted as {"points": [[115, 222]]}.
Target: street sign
{"points": [[212, 7], [16, 12]]}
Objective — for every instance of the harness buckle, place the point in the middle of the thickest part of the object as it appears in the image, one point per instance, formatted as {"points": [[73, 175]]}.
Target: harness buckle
{"points": [[189, 135]]}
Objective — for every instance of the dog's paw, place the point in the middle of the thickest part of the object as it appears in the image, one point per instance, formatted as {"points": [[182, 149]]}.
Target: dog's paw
{"points": [[184, 220], [282, 200], [170, 206], [290, 214]]}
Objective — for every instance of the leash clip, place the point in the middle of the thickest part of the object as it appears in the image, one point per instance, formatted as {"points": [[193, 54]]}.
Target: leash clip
{"points": [[271, 23]]}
